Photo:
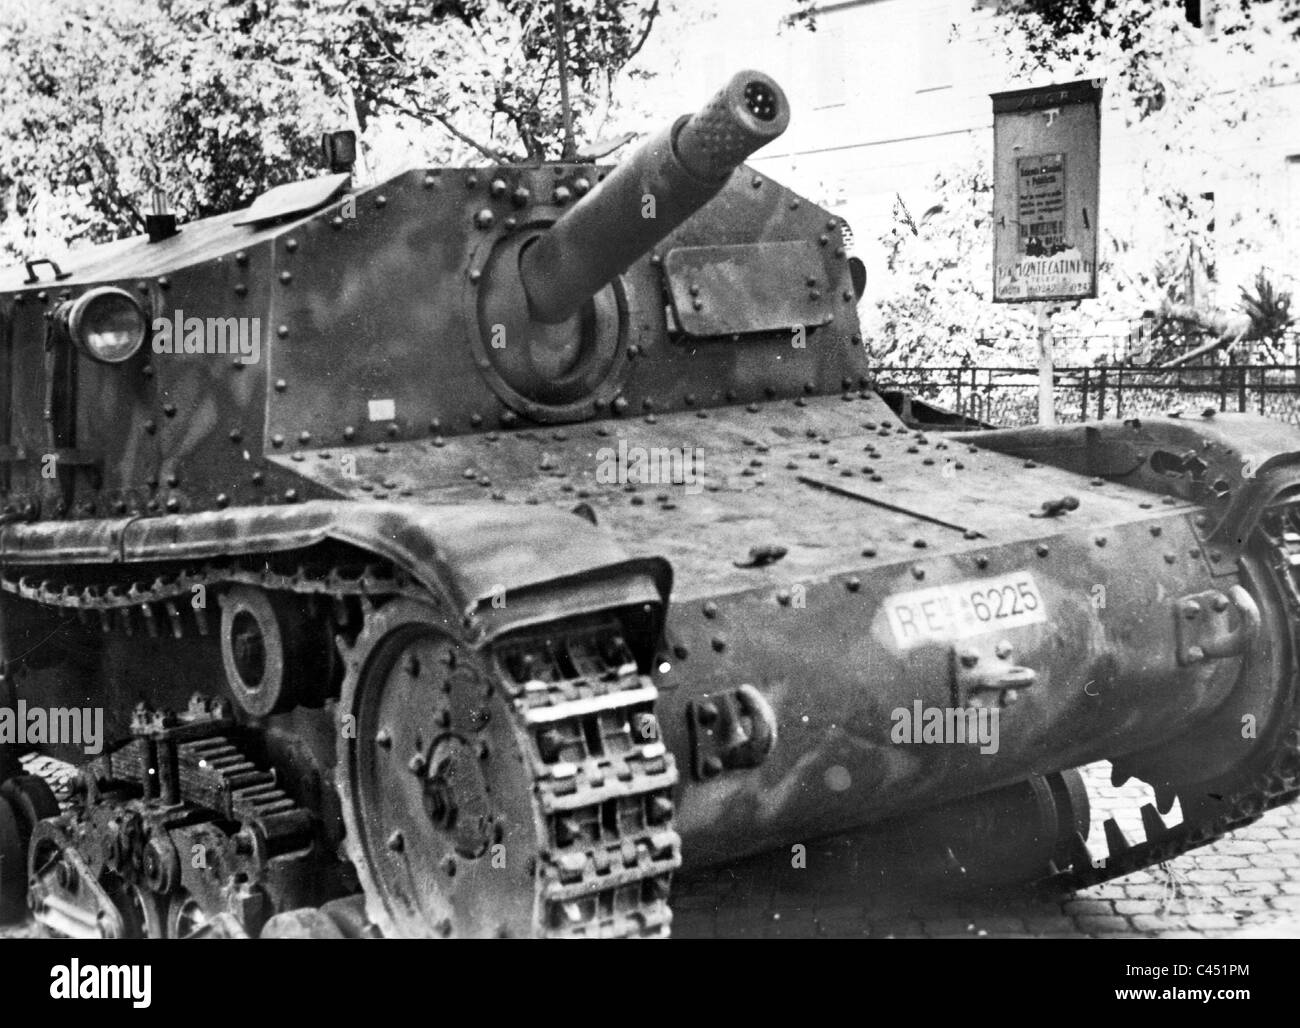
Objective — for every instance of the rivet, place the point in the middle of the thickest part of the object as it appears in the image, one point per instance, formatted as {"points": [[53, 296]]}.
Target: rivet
{"points": [[169, 409], [497, 187], [241, 289], [869, 551], [173, 480], [1041, 550], [1215, 556], [417, 764], [475, 274], [256, 478], [581, 186], [304, 437], [336, 222], [349, 432], [173, 504], [719, 643], [756, 182], [151, 426], [277, 440], [1100, 540], [520, 197], [291, 245], [281, 385], [981, 562], [223, 500], [381, 201], [241, 258], [384, 738], [164, 282], [562, 195], [920, 544], [853, 585], [430, 181], [783, 597], [1170, 558], [282, 331], [291, 495], [286, 277], [710, 609], [484, 219], [396, 842], [918, 571]]}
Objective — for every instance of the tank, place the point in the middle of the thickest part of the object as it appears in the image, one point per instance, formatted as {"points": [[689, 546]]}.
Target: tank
{"points": [[464, 554]]}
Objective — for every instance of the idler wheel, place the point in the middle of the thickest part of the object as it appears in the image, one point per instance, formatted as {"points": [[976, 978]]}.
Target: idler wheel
{"points": [[275, 658], [438, 799], [1011, 835]]}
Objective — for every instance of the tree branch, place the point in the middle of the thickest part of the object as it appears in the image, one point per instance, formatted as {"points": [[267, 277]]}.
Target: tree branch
{"points": [[650, 17], [425, 115]]}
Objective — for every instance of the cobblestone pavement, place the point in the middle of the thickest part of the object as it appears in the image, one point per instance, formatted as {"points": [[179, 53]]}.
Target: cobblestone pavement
{"points": [[1246, 884]]}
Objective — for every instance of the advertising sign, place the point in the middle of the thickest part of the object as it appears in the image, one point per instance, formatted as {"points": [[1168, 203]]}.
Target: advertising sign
{"points": [[1046, 155]]}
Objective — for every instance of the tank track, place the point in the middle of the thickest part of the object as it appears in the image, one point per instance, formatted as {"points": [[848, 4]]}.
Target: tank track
{"points": [[595, 880], [604, 876], [1274, 785]]}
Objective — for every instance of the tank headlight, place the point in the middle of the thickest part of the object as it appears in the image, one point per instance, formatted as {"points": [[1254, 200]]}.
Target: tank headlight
{"points": [[107, 324]]}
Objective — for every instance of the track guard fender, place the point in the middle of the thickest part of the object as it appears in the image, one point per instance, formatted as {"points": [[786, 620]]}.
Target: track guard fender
{"points": [[500, 567], [1214, 461]]}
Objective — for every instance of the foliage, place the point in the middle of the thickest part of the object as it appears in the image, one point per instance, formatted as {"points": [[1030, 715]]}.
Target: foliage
{"points": [[935, 309], [212, 101]]}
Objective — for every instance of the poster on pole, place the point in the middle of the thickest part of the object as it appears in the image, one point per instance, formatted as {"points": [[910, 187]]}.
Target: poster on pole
{"points": [[1046, 157]]}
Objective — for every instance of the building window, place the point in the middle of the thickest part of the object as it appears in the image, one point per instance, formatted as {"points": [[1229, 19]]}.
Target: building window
{"points": [[934, 53], [828, 79]]}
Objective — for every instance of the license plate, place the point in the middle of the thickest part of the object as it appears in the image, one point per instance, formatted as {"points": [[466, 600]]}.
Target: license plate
{"points": [[947, 612]]}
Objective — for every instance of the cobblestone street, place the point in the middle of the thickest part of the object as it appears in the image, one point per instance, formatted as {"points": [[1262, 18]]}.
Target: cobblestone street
{"points": [[1247, 884]]}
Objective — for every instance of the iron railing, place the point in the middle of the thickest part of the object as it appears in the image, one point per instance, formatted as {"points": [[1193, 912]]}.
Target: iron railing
{"points": [[1008, 396]]}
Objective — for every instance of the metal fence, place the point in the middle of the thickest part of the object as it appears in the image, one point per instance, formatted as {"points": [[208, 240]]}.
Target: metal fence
{"points": [[1009, 396]]}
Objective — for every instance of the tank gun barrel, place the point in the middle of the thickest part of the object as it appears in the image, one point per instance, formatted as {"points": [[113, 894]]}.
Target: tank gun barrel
{"points": [[669, 178]]}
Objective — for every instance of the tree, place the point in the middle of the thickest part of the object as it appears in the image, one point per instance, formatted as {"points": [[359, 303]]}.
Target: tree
{"points": [[940, 263], [102, 102]]}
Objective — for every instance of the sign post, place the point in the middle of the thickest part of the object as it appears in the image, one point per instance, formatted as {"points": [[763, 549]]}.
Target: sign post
{"points": [[1046, 365], [1046, 164]]}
